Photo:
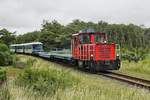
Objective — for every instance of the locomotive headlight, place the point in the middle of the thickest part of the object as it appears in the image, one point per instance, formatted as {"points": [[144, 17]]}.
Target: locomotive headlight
{"points": [[117, 57], [105, 41], [91, 55]]}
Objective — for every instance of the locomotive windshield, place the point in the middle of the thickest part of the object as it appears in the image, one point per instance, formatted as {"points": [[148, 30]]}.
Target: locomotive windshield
{"points": [[99, 38], [87, 38], [84, 39]]}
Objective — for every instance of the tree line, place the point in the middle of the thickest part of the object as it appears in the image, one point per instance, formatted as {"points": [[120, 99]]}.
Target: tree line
{"points": [[132, 38]]}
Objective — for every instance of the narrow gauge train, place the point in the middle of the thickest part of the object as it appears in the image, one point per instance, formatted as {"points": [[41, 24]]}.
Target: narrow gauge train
{"points": [[89, 50], [27, 48]]}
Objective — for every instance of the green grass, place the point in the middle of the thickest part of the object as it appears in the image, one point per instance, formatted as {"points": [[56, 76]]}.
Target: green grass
{"points": [[75, 85], [141, 68], [4, 93], [2, 75]]}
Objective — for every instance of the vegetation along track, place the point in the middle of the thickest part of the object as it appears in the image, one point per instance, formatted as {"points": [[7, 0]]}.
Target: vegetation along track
{"points": [[139, 82], [135, 81]]}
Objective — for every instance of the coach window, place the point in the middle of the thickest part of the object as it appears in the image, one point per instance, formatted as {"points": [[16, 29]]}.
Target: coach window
{"points": [[37, 47]]}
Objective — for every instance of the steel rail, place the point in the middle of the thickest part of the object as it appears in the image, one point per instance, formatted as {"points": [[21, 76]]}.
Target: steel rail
{"points": [[139, 82]]}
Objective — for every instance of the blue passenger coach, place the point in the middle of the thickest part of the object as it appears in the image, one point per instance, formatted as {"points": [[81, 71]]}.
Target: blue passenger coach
{"points": [[28, 48]]}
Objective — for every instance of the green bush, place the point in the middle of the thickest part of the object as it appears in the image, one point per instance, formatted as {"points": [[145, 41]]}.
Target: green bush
{"points": [[5, 56], [135, 54], [131, 56], [3, 47], [45, 81]]}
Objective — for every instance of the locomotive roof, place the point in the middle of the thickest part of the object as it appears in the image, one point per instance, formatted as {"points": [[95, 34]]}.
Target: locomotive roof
{"points": [[26, 44], [87, 33]]}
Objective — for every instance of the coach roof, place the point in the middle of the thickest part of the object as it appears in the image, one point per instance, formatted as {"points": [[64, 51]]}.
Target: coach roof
{"points": [[32, 43]]}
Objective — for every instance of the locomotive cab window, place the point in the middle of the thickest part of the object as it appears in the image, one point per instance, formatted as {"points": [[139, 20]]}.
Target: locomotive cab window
{"points": [[75, 41], [84, 39], [99, 38]]}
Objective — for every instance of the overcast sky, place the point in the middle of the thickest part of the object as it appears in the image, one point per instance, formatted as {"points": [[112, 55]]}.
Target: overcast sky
{"points": [[27, 15]]}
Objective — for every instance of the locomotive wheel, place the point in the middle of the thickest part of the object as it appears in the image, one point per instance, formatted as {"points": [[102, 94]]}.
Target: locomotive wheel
{"points": [[74, 62], [80, 64], [117, 63], [92, 67]]}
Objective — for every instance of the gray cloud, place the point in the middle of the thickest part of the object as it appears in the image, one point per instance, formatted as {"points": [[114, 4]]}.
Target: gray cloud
{"points": [[27, 15]]}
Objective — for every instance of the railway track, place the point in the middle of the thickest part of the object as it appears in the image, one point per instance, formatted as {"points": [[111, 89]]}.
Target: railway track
{"points": [[138, 82]]}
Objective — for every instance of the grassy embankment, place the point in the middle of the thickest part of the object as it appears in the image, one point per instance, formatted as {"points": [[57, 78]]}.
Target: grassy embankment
{"points": [[45, 80], [140, 69]]}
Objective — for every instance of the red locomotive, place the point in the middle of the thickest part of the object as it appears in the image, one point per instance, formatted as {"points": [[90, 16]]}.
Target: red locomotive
{"points": [[91, 50]]}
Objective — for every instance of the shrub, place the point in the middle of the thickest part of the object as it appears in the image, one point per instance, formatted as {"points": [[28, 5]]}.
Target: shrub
{"points": [[45, 81], [5, 56], [131, 56], [3, 47]]}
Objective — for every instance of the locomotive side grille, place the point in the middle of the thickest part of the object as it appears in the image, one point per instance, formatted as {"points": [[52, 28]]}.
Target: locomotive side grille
{"points": [[85, 51]]}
